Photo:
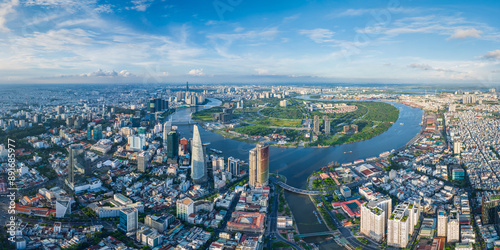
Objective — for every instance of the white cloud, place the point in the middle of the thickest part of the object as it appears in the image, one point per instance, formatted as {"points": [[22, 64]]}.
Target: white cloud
{"points": [[6, 8], [262, 71], [318, 35], [495, 54], [464, 33], [196, 72], [427, 67], [141, 5], [101, 73]]}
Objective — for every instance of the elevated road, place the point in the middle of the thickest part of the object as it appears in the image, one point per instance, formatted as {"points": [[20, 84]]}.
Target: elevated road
{"points": [[298, 190]]}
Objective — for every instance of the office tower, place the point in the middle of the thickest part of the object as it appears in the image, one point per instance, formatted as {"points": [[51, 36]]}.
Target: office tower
{"points": [[129, 218], [142, 161], [401, 223], [63, 207], [442, 221], [453, 227], [90, 128], [187, 87], [326, 120], [78, 166], [172, 144], [259, 166], [198, 169], [374, 215], [167, 127], [97, 132], [316, 124], [157, 105], [185, 207], [69, 121], [490, 208], [233, 166]]}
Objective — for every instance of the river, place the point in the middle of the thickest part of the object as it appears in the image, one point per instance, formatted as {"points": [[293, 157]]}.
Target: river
{"points": [[298, 163]]}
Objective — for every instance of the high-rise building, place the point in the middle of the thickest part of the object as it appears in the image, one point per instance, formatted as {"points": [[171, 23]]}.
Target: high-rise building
{"points": [[442, 222], [78, 166], [457, 146], [326, 121], [490, 208], [316, 124], [172, 144], [90, 128], [94, 132], [167, 127], [233, 166], [401, 223], [374, 215], [453, 227], [185, 207], [198, 164], [142, 161], [259, 166], [129, 218], [136, 143], [469, 99], [157, 105]]}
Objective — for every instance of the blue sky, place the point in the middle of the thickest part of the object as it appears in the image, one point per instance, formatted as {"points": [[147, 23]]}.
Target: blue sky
{"points": [[224, 41]]}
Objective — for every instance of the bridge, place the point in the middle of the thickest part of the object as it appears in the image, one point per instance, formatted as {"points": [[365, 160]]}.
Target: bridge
{"points": [[316, 234], [298, 190]]}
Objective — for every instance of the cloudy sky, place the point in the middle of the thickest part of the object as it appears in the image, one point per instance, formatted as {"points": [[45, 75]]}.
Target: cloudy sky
{"points": [[222, 41]]}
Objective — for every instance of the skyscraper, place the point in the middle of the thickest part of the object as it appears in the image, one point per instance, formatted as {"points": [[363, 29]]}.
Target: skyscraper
{"points": [[167, 127], [490, 208], [172, 144], [374, 215], [453, 227], [401, 224], [78, 166], [198, 169], [442, 222], [129, 218], [142, 161], [233, 166], [259, 166], [326, 120], [316, 124]]}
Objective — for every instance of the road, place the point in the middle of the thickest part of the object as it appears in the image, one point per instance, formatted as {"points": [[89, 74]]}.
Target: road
{"points": [[347, 234], [272, 223]]}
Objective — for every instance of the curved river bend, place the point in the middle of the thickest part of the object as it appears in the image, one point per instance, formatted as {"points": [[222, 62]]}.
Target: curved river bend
{"points": [[298, 163]]}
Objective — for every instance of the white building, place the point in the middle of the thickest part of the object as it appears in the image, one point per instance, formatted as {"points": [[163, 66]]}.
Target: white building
{"points": [[185, 207], [374, 215], [453, 227], [401, 224], [442, 222]]}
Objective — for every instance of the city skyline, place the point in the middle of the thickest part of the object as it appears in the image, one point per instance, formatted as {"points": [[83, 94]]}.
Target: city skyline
{"points": [[249, 42]]}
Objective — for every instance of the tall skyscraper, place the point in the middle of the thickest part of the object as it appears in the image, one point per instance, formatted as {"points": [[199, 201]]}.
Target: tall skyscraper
{"points": [[78, 166], [142, 161], [167, 127], [374, 215], [172, 144], [316, 124], [442, 222], [401, 224], [490, 208], [326, 120], [259, 166], [198, 169], [129, 218], [233, 166], [453, 227]]}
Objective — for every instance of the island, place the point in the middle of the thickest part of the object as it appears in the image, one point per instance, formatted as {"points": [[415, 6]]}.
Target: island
{"points": [[299, 122]]}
